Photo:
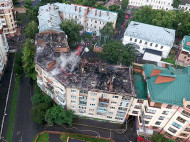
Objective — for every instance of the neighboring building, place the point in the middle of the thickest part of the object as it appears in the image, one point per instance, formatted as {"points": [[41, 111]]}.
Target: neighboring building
{"points": [[154, 40], [167, 108], [185, 5], [83, 84], [156, 4], [92, 19], [183, 57], [3, 49], [7, 17]]}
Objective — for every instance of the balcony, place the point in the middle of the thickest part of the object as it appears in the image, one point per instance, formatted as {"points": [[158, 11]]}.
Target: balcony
{"points": [[50, 92], [102, 104], [120, 114], [122, 109], [83, 93], [82, 103]]}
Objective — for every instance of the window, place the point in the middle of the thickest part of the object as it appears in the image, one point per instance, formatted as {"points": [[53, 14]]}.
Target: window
{"points": [[118, 118], [83, 91], [185, 113], [137, 107], [184, 57], [110, 113], [115, 97], [184, 134], [172, 130], [146, 122], [157, 123], [109, 117], [92, 105], [95, 21], [73, 101], [73, 107], [176, 125], [93, 99], [95, 27], [73, 97], [165, 112], [155, 127], [151, 111], [145, 43], [188, 106], [75, 17], [135, 112], [161, 47], [150, 44], [113, 102], [148, 116], [187, 129], [131, 39], [73, 91], [135, 40], [140, 101], [93, 94], [91, 109], [161, 118], [181, 119], [140, 41], [156, 45], [112, 107], [91, 114], [104, 95], [169, 106]]}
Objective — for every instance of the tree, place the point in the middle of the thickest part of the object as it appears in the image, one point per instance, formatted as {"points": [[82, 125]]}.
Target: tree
{"points": [[18, 64], [116, 53], [124, 4], [114, 7], [59, 116], [31, 11], [90, 3], [101, 6], [28, 58], [72, 29], [31, 29], [176, 3], [107, 31]]}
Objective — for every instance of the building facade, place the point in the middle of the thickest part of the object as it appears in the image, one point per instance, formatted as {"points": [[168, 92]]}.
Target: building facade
{"points": [[7, 17], [185, 5], [156, 4], [145, 36], [3, 49], [183, 56], [92, 19]]}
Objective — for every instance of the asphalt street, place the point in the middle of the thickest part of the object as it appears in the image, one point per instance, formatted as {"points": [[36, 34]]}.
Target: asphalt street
{"points": [[4, 86]]}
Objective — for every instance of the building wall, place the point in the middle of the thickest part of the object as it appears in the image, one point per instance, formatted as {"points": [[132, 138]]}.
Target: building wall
{"points": [[185, 7], [112, 107], [146, 44], [156, 4], [6, 15]]}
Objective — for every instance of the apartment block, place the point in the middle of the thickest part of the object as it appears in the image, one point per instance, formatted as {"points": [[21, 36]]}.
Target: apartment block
{"points": [[3, 49], [7, 17], [167, 106], [92, 19], [156, 4], [152, 41], [183, 57]]}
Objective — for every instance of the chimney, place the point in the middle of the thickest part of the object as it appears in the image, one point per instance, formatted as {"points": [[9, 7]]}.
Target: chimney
{"points": [[79, 9], [111, 83], [95, 12], [100, 14], [107, 13], [75, 8]]}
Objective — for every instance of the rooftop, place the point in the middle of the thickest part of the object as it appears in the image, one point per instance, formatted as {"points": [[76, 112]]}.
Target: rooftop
{"points": [[156, 52], [82, 70], [151, 33], [51, 15], [186, 43], [184, 2], [168, 85]]}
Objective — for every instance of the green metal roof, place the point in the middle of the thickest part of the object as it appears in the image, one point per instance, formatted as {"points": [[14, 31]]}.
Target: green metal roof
{"points": [[187, 39], [169, 92], [141, 87]]}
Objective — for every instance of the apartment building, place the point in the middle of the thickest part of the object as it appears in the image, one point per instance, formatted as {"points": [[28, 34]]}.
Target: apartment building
{"points": [[82, 83], [167, 106], [156, 4], [92, 19], [3, 49], [183, 57], [7, 17], [152, 41], [185, 5]]}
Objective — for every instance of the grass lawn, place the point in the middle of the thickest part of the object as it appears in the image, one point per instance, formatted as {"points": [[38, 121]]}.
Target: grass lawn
{"points": [[64, 137], [13, 110], [171, 57], [43, 138]]}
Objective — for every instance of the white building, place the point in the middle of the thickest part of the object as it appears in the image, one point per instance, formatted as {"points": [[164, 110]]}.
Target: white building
{"points": [[92, 19], [185, 5], [145, 36], [156, 4], [3, 49]]}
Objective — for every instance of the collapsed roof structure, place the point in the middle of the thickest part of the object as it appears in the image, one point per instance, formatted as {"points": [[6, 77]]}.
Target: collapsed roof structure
{"points": [[80, 69]]}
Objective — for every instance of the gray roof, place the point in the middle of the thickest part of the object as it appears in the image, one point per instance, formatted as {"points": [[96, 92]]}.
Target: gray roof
{"points": [[150, 33], [184, 2]]}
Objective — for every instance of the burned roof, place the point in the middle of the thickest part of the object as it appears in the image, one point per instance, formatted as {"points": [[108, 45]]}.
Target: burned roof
{"points": [[82, 71]]}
